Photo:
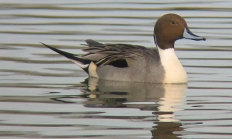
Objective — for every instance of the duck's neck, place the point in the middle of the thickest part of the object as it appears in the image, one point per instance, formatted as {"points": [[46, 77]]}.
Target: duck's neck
{"points": [[174, 71]]}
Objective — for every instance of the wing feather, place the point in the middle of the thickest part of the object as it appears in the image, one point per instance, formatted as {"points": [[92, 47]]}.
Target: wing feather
{"points": [[103, 54]]}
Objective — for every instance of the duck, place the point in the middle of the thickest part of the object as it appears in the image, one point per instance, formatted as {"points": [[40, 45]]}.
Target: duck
{"points": [[136, 63]]}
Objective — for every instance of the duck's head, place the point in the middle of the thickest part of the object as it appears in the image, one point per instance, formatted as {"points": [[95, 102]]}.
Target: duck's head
{"points": [[171, 27]]}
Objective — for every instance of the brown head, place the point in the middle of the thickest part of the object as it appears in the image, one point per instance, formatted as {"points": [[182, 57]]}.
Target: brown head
{"points": [[171, 27]]}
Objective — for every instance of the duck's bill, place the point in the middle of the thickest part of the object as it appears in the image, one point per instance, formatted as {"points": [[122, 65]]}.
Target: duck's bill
{"points": [[189, 35]]}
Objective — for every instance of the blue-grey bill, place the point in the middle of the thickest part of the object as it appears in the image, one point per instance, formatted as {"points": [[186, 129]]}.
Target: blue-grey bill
{"points": [[189, 35]]}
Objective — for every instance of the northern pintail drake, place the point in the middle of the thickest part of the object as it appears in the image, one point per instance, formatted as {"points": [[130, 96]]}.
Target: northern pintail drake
{"points": [[126, 62]]}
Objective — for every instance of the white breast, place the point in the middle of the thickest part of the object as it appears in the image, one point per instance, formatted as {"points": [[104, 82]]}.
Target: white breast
{"points": [[174, 71]]}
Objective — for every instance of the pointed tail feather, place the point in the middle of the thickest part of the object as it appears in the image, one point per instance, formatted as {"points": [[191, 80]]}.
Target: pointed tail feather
{"points": [[83, 63]]}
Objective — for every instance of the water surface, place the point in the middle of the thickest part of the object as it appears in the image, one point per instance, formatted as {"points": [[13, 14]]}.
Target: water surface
{"points": [[43, 95]]}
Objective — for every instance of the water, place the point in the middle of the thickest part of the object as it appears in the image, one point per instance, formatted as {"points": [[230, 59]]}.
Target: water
{"points": [[43, 95]]}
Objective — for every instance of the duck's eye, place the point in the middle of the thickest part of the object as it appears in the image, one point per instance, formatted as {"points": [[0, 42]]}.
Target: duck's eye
{"points": [[173, 22]]}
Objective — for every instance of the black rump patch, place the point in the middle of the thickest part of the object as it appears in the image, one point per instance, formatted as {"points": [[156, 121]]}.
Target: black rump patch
{"points": [[119, 63]]}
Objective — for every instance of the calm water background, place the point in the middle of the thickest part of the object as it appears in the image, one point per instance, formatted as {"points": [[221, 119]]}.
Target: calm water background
{"points": [[43, 95]]}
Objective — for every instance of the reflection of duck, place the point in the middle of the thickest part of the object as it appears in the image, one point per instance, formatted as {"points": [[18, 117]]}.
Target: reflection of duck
{"points": [[159, 98], [126, 62]]}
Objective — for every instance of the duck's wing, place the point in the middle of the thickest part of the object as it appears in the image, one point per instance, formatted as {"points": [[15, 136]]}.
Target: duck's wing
{"points": [[104, 54], [99, 54]]}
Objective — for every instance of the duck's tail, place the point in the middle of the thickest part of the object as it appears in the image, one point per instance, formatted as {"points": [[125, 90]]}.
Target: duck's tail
{"points": [[83, 63]]}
